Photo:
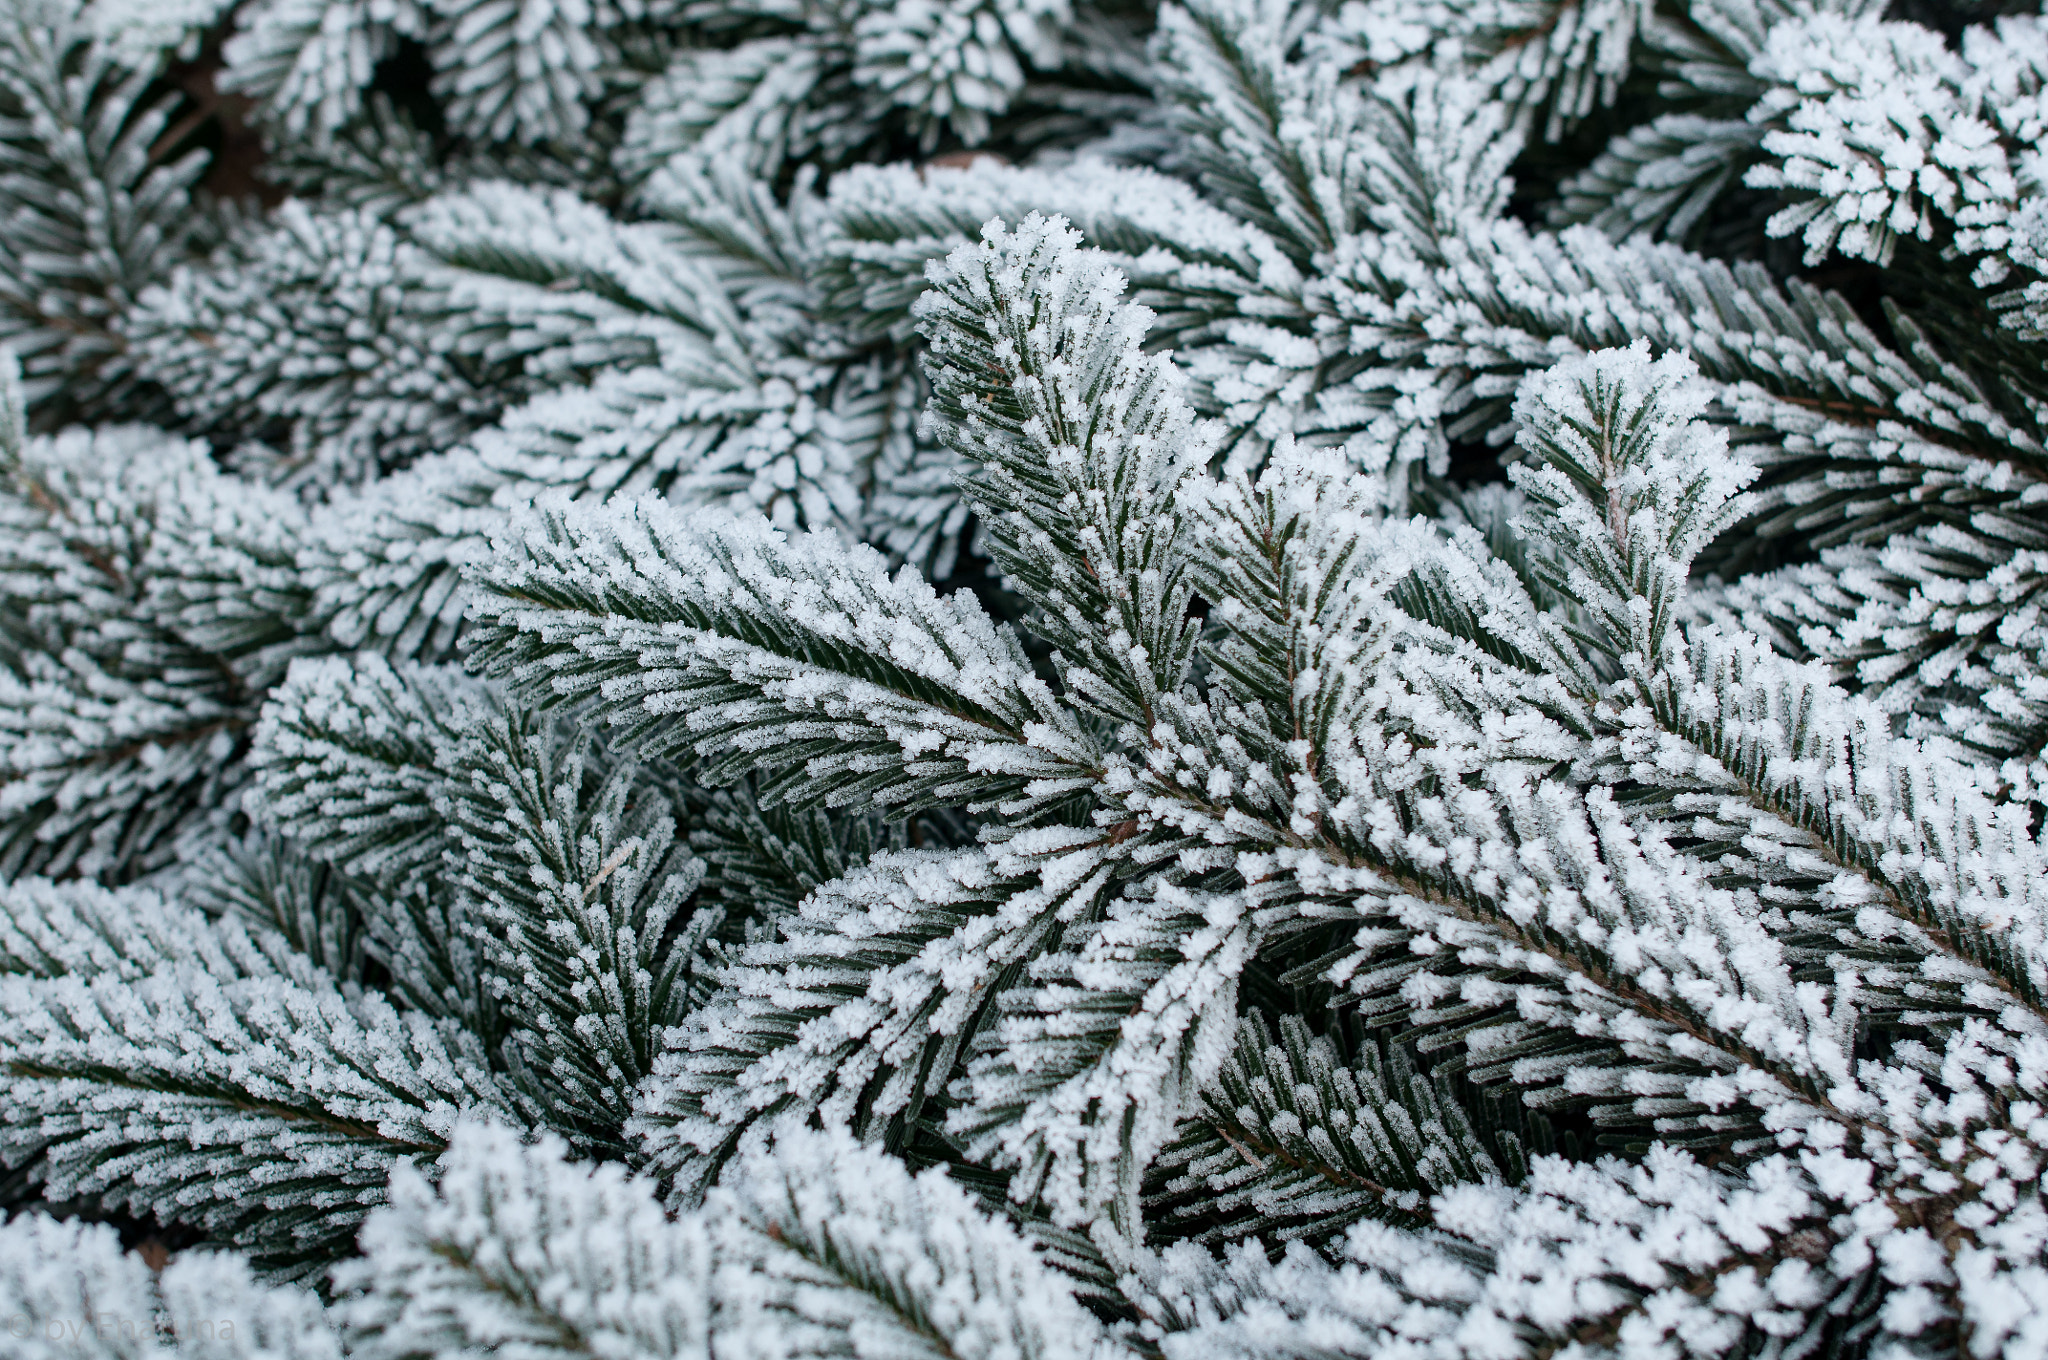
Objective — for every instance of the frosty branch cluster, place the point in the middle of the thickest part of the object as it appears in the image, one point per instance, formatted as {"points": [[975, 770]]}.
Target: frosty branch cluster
{"points": [[998, 678]]}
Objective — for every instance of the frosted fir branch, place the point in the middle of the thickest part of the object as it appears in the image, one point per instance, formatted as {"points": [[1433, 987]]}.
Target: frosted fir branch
{"points": [[1661, 178], [1496, 590], [524, 75], [1874, 130], [578, 905], [1561, 62], [349, 755], [249, 1315], [1801, 372], [1618, 428], [142, 30], [1364, 801], [1601, 1259], [840, 455], [822, 1241], [382, 162], [890, 221], [764, 861], [1439, 160], [353, 758], [552, 283], [81, 930], [1245, 109], [1121, 1021], [532, 884], [502, 75], [697, 633], [148, 600], [1626, 485], [1538, 806], [13, 414], [1617, 1260], [1549, 62], [762, 244], [1871, 125], [1318, 164], [1836, 414], [68, 1290], [96, 215], [1585, 952], [1066, 1123], [1418, 343], [675, 354], [313, 333], [1081, 1080], [812, 1246], [237, 1091], [1616, 556], [2009, 78], [1941, 627], [383, 564], [516, 1249], [1300, 573], [747, 101], [805, 444], [1291, 1140], [1972, 968], [1226, 292], [837, 78], [1151, 959], [514, 1246], [2025, 308], [1321, 692], [1825, 788], [678, 356], [955, 65], [319, 911], [865, 1007], [309, 64], [1082, 444]]}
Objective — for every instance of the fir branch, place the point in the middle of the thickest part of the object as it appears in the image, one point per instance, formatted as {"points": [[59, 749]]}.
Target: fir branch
{"points": [[149, 600], [1290, 1140], [95, 216], [903, 697], [865, 1007], [68, 1289], [1081, 443], [241, 1092], [824, 1241], [516, 1248]]}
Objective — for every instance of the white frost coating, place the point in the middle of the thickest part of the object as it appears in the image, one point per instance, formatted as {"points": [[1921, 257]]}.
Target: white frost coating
{"points": [[317, 319], [553, 866], [50, 930], [1554, 1259]]}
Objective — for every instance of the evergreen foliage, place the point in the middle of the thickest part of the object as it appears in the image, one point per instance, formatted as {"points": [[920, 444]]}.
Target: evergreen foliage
{"points": [[1010, 678]]}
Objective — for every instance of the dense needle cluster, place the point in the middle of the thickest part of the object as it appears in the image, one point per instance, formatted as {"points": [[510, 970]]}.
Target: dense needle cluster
{"points": [[1023, 679]]}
